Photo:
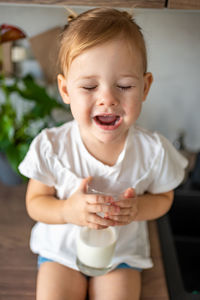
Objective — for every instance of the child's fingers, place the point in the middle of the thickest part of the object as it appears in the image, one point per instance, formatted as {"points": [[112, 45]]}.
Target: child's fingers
{"points": [[84, 184], [97, 208], [123, 220], [98, 199], [125, 203], [129, 193], [121, 212], [97, 220]]}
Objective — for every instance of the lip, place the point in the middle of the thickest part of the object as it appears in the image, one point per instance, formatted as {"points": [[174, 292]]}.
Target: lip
{"points": [[117, 122]]}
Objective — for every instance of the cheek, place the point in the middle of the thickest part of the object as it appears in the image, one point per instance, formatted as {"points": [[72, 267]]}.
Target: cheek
{"points": [[80, 108], [133, 109], [133, 103]]}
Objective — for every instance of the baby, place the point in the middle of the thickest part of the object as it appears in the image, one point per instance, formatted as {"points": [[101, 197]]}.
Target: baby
{"points": [[104, 78]]}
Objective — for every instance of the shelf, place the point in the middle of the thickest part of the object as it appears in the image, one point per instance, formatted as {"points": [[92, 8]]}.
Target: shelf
{"points": [[107, 3], [172, 4], [184, 4]]}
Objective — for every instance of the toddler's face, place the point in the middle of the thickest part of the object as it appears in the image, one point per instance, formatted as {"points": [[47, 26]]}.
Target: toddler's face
{"points": [[105, 87]]}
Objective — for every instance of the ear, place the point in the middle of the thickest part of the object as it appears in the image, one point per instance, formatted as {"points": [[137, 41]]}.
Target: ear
{"points": [[62, 86], [148, 79]]}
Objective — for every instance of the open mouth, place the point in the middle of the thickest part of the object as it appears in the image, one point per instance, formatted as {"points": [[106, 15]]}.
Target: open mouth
{"points": [[108, 122]]}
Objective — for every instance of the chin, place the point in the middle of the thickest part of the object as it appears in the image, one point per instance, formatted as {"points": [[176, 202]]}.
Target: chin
{"points": [[110, 138]]}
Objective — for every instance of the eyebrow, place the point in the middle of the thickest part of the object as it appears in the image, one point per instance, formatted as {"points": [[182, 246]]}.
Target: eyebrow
{"points": [[83, 79], [96, 77], [87, 77], [129, 76]]}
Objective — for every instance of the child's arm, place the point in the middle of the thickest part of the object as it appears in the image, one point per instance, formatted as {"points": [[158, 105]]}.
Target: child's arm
{"points": [[80, 208], [144, 207]]}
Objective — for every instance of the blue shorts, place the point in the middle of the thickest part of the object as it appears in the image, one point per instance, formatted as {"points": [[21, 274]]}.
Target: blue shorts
{"points": [[42, 259]]}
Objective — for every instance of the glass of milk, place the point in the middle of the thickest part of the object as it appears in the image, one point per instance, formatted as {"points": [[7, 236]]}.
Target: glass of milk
{"points": [[95, 248]]}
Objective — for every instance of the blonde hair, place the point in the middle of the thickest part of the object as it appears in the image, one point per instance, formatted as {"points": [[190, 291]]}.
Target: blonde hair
{"points": [[95, 27]]}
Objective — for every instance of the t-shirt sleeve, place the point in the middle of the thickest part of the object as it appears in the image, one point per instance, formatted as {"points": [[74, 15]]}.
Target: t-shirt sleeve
{"points": [[169, 168], [36, 164]]}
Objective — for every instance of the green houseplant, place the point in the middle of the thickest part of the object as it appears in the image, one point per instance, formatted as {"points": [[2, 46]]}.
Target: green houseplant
{"points": [[17, 132]]}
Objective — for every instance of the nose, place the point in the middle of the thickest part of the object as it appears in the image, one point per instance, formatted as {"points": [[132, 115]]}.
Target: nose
{"points": [[107, 98]]}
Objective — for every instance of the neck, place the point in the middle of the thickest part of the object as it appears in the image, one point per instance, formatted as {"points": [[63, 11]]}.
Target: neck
{"points": [[107, 153]]}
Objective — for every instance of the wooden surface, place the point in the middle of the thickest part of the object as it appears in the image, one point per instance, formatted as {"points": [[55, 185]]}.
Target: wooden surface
{"points": [[175, 4], [18, 264], [108, 3], [184, 4]]}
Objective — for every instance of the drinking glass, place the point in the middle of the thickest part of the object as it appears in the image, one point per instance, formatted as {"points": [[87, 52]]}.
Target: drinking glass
{"points": [[95, 248]]}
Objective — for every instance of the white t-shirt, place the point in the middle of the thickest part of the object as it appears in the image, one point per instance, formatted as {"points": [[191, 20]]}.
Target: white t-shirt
{"points": [[57, 157]]}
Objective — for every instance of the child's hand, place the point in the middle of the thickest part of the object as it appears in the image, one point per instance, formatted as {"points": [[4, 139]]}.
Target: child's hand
{"points": [[82, 208], [128, 208]]}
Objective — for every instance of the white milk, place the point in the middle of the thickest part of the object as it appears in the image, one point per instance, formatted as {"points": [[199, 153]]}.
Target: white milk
{"points": [[95, 248]]}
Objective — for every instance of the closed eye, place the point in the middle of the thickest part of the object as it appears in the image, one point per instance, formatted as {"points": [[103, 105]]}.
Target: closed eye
{"points": [[89, 88], [124, 88]]}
